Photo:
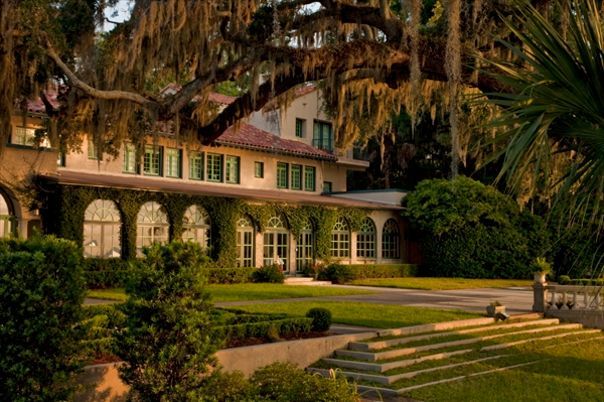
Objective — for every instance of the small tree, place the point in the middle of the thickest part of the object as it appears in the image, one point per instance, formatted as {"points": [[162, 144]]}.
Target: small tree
{"points": [[166, 344], [41, 292]]}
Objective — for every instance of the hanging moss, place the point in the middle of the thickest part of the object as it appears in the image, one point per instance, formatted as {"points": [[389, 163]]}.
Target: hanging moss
{"points": [[66, 205]]}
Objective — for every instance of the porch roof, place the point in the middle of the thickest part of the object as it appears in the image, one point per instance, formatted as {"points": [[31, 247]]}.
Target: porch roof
{"points": [[79, 178]]}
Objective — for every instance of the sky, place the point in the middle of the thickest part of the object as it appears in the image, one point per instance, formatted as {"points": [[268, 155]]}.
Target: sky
{"points": [[119, 13]]}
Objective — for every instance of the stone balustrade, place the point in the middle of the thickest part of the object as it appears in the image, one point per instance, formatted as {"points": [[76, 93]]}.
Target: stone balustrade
{"points": [[574, 297]]}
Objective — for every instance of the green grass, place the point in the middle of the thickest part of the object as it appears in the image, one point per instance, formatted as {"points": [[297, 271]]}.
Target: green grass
{"points": [[249, 291], [441, 283], [572, 372], [364, 314]]}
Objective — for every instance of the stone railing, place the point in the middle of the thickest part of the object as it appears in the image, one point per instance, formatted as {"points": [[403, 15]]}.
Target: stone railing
{"points": [[574, 297]]}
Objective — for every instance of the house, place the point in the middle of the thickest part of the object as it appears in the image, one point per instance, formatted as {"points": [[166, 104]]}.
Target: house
{"points": [[269, 190]]}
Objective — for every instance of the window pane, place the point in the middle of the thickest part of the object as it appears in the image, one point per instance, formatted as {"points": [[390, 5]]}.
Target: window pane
{"points": [[323, 136], [152, 161], [327, 187], [296, 177], [309, 178], [232, 169], [129, 159], [300, 128], [92, 151], [173, 162], [259, 169], [196, 166], [214, 167], [282, 175]]}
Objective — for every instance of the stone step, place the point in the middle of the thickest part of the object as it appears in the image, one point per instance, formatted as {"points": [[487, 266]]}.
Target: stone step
{"points": [[387, 380], [544, 338], [391, 354], [382, 367], [449, 325], [377, 345]]}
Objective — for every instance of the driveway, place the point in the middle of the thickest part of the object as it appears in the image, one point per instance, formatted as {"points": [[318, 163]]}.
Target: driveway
{"points": [[516, 300]]}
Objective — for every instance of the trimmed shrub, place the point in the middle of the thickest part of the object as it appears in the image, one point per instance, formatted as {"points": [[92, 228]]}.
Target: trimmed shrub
{"points": [[167, 344], [470, 230], [228, 387], [41, 293], [284, 382], [101, 273], [101, 322], [362, 271], [321, 318], [230, 275], [337, 273], [268, 274], [564, 279], [263, 329]]}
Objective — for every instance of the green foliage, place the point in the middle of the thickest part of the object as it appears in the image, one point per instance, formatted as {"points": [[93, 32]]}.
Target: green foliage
{"points": [[564, 279], [102, 273], [230, 275], [167, 344], [268, 274], [228, 387], [41, 292], [362, 271], [470, 230], [268, 330], [284, 382], [444, 206], [337, 273], [101, 323], [321, 318], [65, 206]]}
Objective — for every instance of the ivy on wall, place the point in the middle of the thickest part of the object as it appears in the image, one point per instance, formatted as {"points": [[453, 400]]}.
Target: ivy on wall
{"points": [[65, 207]]}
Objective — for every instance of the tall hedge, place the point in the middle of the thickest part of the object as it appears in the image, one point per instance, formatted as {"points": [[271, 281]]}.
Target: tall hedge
{"points": [[471, 230], [41, 292]]}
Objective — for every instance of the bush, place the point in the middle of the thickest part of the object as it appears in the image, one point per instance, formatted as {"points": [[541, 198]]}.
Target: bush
{"points": [[284, 382], [101, 322], [268, 274], [167, 344], [101, 273], [337, 273], [321, 319], [362, 271], [230, 275], [564, 279], [228, 387], [266, 330], [41, 293], [470, 230]]}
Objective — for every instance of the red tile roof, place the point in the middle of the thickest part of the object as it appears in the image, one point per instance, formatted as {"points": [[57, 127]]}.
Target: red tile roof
{"points": [[221, 99], [70, 177], [250, 137]]}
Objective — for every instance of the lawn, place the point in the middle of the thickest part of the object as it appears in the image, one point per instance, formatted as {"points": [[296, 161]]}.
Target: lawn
{"points": [[249, 291], [573, 372], [364, 314], [441, 283]]}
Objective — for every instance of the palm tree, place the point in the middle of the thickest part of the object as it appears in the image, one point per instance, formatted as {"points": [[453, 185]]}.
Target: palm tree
{"points": [[553, 112]]}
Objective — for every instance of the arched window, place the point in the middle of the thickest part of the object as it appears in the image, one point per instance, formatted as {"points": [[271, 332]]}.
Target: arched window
{"points": [[7, 217], [245, 243], [391, 240], [366, 238], [102, 223], [276, 243], [305, 255], [340, 239], [196, 226], [152, 226]]}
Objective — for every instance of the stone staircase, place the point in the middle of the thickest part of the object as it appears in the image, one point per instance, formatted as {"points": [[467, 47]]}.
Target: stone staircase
{"points": [[401, 360]]}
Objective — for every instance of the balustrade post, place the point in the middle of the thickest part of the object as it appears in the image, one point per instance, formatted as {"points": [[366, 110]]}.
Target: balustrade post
{"points": [[539, 297]]}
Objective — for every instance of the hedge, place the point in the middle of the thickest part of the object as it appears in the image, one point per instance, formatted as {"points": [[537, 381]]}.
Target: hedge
{"points": [[362, 271], [230, 275], [263, 329], [339, 273], [41, 295]]}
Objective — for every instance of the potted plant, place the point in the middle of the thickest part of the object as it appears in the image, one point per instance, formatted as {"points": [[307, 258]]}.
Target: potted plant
{"points": [[540, 269], [494, 308]]}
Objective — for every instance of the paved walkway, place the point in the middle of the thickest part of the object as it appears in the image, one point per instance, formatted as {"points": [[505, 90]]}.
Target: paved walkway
{"points": [[517, 300]]}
